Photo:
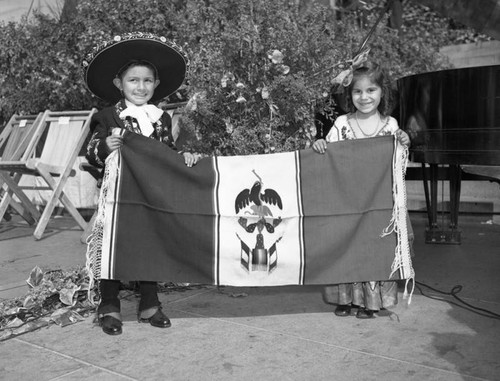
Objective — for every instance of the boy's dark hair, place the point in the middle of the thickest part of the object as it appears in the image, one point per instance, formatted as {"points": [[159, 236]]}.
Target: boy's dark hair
{"points": [[134, 63], [378, 76]]}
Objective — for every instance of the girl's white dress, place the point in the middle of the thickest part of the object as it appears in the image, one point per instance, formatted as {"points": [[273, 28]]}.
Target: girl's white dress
{"points": [[372, 295], [342, 128]]}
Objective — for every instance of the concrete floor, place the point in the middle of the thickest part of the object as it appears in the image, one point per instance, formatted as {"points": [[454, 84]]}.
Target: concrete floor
{"points": [[285, 333]]}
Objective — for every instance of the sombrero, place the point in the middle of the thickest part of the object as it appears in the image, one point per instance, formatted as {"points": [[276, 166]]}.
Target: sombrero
{"points": [[103, 62]]}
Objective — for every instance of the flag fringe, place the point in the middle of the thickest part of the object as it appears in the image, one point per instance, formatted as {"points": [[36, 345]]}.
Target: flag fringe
{"points": [[398, 224], [95, 239]]}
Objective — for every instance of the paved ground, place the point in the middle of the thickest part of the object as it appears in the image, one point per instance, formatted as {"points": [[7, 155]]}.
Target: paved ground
{"points": [[284, 333]]}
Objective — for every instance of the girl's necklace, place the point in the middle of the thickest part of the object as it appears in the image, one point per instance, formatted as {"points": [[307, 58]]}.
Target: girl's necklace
{"points": [[375, 132]]}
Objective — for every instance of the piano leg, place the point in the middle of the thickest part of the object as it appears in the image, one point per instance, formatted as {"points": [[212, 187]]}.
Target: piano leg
{"points": [[455, 188], [426, 192], [455, 177], [433, 169], [433, 233]]}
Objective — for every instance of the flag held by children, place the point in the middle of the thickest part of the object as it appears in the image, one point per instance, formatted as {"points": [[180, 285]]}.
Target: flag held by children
{"points": [[261, 220]]}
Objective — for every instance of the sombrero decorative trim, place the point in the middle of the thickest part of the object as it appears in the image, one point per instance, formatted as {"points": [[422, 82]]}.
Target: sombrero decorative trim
{"points": [[102, 63]]}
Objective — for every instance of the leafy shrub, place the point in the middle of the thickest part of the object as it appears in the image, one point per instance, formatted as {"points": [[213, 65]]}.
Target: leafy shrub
{"points": [[260, 70], [254, 75]]}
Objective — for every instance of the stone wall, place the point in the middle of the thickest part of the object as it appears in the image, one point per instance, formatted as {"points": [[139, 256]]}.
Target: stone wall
{"points": [[483, 53]]}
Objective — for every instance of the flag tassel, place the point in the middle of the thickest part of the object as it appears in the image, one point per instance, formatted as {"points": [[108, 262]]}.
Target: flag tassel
{"points": [[398, 223]]}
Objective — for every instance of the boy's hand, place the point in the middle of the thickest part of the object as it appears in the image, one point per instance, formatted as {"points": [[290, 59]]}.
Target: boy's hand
{"points": [[190, 159], [114, 142], [319, 146]]}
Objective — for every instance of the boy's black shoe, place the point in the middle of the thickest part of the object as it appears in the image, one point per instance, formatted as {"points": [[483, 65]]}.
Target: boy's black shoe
{"points": [[159, 320], [110, 325]]}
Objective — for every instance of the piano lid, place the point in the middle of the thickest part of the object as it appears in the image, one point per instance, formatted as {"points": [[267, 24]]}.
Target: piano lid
{"points": [[452, 116]]}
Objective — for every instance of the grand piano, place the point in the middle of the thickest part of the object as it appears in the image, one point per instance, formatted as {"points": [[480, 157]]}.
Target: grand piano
{"points": [[453, 119]]}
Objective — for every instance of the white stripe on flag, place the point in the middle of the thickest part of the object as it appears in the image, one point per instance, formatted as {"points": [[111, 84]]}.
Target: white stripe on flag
{"points": [[273, 182], [301, 218], [216, 220]]}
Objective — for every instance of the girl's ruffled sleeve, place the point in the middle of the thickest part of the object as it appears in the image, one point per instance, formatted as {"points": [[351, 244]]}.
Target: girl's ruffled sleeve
{"points": [[334, 133], [392, 125]]}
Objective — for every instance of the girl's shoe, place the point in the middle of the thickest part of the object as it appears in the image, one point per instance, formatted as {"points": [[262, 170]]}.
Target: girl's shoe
{"points": [[364, 313], [343, 310], [159, 319]]}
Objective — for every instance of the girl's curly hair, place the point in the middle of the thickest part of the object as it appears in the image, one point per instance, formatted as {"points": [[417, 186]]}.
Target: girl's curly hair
{"points": [[377, 75]]}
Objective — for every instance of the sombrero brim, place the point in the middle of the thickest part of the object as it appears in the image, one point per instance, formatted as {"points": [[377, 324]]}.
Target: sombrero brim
{"points": [[170, 63]]}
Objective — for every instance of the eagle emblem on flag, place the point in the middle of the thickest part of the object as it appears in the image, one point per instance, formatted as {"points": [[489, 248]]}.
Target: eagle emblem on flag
{"points": [[255, 203]]}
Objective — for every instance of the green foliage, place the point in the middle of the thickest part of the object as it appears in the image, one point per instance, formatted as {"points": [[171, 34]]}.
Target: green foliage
{"points": [[253, 73], [40, 64], [437, 30], [259, 69]]}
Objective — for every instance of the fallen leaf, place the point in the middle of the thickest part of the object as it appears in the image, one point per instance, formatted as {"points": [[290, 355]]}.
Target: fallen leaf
{"points": [[31, 326], [4, 335], [15, 323], [66, 295], [35, 278], [64, 316], [28, 302]]}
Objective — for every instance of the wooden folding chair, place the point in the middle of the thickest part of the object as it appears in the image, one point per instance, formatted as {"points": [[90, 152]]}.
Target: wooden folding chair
{"points": [[64, 134], [15, 138], [16, 134]]}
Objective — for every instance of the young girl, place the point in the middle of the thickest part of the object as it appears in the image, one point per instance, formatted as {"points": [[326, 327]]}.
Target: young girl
{"points": [[129, 72], [368, 99]]}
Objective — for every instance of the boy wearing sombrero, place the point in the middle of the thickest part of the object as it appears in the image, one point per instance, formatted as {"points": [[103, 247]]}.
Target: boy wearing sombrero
{"points": [[130, 71]]}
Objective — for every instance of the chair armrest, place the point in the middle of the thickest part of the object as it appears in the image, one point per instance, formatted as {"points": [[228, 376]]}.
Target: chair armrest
{"points": [[54, 170]]}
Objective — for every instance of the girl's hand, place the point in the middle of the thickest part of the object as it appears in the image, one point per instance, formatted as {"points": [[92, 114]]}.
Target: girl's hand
{"points": [[190, 159], [114, 142], [319, 146], [403, 137]]}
